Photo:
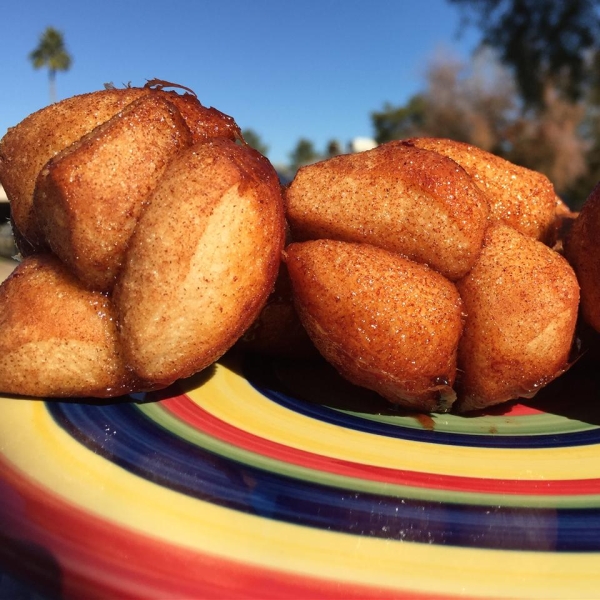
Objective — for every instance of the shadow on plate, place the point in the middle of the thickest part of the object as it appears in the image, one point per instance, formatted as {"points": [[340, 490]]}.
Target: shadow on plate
{"points": [[184, 386], [575, 395], [310, 380]]}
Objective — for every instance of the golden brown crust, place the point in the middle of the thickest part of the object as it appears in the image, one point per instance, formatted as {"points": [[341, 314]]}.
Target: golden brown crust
{"points": [[583, 252], [89, 197], [26, 148], [217, 229], [398, 197], [199, 271], [204, 123], [521, 300], [386, 323], [191, 227], [58, 338], [518, 197]]}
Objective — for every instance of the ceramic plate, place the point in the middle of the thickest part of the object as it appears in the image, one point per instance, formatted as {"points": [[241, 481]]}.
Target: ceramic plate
{"points": [[266, 478]]}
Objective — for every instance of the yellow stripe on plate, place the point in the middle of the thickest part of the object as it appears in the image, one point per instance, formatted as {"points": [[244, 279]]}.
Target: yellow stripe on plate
{"points": [[229, 397], [33, 443]]}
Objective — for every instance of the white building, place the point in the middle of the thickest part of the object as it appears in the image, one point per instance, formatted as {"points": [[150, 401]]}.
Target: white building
{"points": [[361, 144]]}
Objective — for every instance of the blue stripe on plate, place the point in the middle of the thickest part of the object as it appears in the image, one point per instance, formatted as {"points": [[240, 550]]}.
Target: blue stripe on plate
{"points": [[124, 435]]}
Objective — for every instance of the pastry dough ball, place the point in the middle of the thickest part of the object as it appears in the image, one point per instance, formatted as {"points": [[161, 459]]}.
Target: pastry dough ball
{"points": [[89, 197], [149, 190], [384, 322], [202, 260], [28, 146], [58, 338], [518, 197], [583, 252], [414, 202], [521, 300]]}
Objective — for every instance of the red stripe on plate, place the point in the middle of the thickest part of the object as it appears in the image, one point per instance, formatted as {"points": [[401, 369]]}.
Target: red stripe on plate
{"points": [[194, 415], [60, 548]]}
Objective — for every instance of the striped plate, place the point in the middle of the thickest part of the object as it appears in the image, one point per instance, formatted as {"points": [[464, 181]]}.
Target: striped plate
{"points": [[269, 479]]}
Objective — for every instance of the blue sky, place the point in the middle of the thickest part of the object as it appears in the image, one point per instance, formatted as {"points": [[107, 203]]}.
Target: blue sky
{"points": [[313, 69]]}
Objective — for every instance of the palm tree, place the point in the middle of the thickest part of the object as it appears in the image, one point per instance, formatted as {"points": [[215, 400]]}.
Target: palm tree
{"points": [[51, 53]]}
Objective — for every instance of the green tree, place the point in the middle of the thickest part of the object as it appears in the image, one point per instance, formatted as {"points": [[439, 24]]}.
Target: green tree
{"points": [[255, 141], [303, 154], [545, 42], [398, 122], [52, 54], [590, 130], [552, 48], [334, 148]]}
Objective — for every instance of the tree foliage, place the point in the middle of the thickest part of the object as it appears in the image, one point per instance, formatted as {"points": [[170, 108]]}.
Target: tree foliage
{"points": [[254, 140], [334, 148], [303, 154], [553, 50], [470, 103], [545, 42], [479, 103], [531, 92], [398, 122], [52, 54]]}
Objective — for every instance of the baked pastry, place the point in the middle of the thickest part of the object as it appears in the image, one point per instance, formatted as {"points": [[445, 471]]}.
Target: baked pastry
{"points": [[582, 251], [202, 261], [521, 300], [519, 197], [27, 147], [151, 235], [414, 202], [386, 323], [89, 197], [471, 219], [58, 338]]}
